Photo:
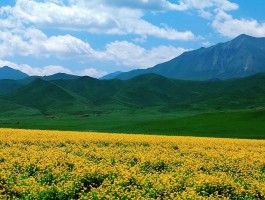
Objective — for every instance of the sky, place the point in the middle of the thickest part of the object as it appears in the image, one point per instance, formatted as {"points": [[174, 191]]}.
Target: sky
{"points": [[97, 37]]}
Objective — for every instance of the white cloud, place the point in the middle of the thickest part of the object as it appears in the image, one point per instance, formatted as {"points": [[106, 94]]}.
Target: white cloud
{"points": [[98, 16], [32, 42], [206, 44], [131, 55], [13, 43], [92, 72], [35, 71], [205, 14], [206, 8], [140, 39], [226, 25], [148, 5], [205, 4], [51, 69], [12, 65], [142, 27], [154, 5], [67, 46]]}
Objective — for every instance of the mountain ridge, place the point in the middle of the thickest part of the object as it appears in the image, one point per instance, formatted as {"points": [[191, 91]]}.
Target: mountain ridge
{"points": [[86, 94], [10, 73], [240, 57], [243, 56]]}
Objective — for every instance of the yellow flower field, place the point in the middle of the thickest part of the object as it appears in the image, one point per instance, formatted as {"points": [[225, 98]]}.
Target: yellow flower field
{"points": [[82, 165]]}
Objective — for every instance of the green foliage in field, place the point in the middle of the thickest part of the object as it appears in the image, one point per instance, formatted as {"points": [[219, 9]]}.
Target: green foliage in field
{"points": [[239, 124]]}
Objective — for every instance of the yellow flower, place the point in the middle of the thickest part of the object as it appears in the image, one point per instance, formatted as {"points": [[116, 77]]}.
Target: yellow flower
{"points": [[80, 165]]}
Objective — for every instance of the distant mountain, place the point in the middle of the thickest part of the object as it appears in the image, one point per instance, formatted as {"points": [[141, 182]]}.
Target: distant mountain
{"points": [[241, 57], [13, 74], [10, 73], [59, 76], [111, 75], [9, 85], [86, 94]]}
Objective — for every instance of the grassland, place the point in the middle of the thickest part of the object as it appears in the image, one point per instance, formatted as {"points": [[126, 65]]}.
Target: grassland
{"points": [[70, 165], [230, 124]]}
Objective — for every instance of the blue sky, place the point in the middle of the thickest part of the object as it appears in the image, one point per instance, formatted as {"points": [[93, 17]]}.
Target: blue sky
{"points": [[97, 37]]}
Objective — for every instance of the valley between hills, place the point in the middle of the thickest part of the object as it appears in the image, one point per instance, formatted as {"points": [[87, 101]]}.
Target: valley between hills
{"points": [[149, 104], [221, 94]]}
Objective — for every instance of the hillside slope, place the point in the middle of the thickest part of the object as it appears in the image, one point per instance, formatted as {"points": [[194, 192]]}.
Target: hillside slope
{"points": [[87, 94], [7, 85], [10, 73], [46, 97], [241, 57]]}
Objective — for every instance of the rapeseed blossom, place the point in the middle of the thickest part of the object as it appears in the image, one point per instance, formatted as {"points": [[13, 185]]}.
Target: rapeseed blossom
{"points": [[38, 164]]}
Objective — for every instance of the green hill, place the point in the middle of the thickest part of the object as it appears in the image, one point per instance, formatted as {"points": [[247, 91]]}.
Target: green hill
{"points": [[145, 91], [247, 92], [9, 109], [60, 76], [148, 103], [45, 96], [8, 85]]}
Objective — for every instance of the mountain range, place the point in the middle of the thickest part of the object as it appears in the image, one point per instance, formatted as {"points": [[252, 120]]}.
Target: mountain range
{"points": [[86, 94], [240, 57], [10, 73], [7, 74], [159, 87]]}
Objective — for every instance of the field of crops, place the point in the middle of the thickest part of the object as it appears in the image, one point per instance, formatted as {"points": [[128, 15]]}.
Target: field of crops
{"points": [[80, 165]]}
